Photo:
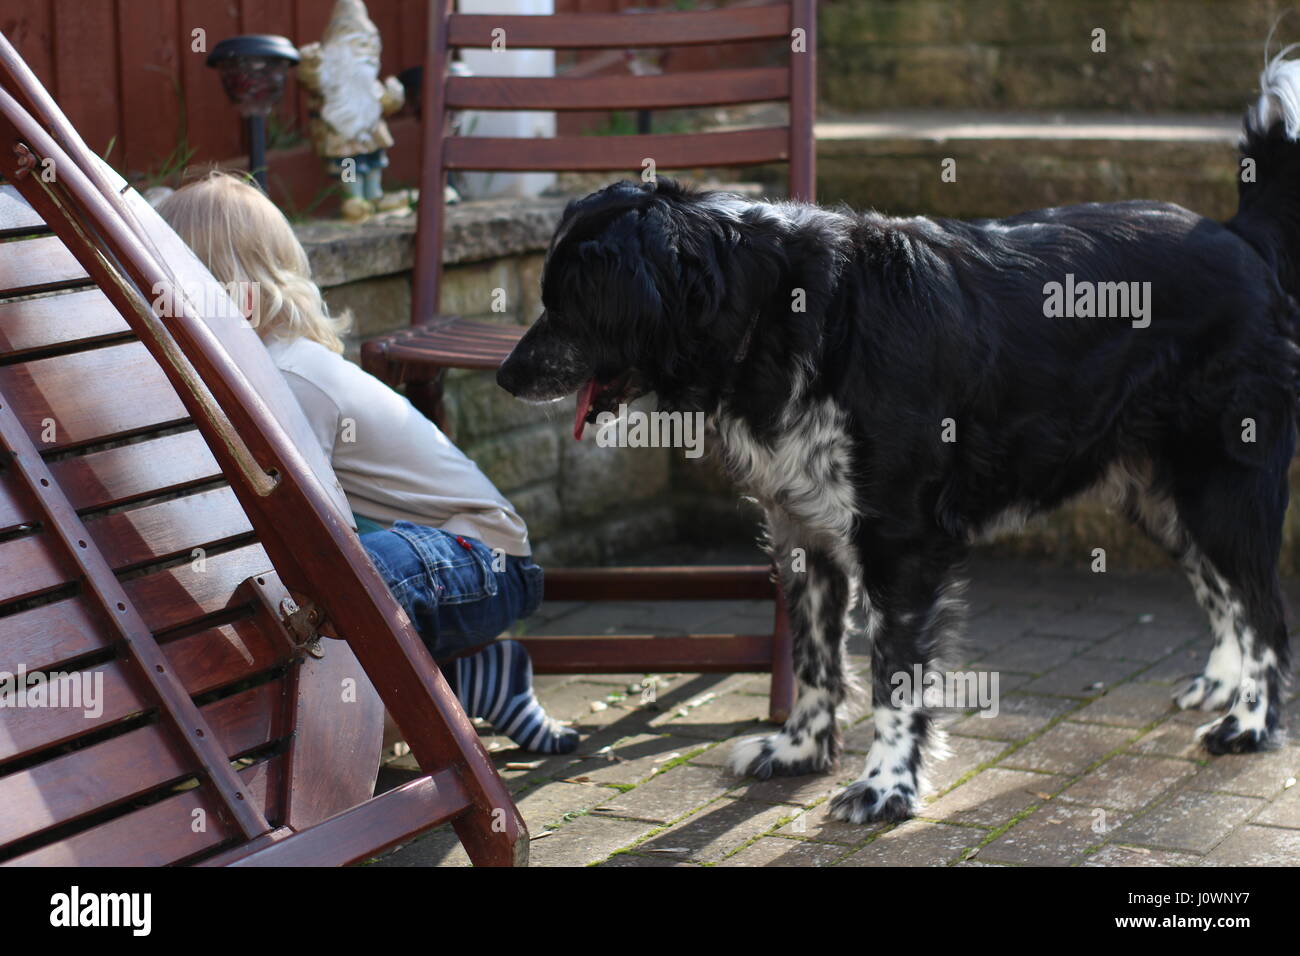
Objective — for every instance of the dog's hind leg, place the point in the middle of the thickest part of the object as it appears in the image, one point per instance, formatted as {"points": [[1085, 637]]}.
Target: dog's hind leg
{"points": [[1154, 512], [914, 610], [820, 595], [1236, 551]]}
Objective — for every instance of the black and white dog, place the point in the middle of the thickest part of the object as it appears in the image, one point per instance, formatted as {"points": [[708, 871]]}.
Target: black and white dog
{"points": [[892, 390]]}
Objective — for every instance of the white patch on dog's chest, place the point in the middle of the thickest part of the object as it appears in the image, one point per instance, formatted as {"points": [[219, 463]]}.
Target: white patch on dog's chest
{"points": [[805, 471]]}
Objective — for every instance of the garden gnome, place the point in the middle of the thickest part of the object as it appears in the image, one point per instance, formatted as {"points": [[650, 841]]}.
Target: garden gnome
{"points": [[348, 105]]}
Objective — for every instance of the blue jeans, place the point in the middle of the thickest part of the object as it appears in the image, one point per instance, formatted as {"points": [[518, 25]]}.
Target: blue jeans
{"points": [[450, 586]]}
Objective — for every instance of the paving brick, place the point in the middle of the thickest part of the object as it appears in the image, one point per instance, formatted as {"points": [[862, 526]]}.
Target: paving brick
{"points": [[1067, 748], [1128, 705], [585, 840], [992, 797], [774, 851], [1031, 654], [1190, 820], [966, 753], [1115, 855], [1091, 623], [1056, 834], [1145, 643], [634, 859], [668, 795], [817, 825], [1176, 737], [1180, 666], [633, 759], [1018, 716], [1126, 782], [1257, 846], [549, 802], [1252, 775], [917, 843], [440, 847], [1284, 811], [801, 791], [1082, 677], [713, 716], [715, 830]]}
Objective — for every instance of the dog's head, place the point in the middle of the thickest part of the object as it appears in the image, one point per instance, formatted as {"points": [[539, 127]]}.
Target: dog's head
{"points": [[646, 287]]}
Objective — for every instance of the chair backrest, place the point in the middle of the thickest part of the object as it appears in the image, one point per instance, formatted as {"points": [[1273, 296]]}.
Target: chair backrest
{"points": [[794, 83], [169, 561]]}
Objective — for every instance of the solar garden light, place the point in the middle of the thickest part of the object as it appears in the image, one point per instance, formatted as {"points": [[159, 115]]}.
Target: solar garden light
{"points": [[253, 70]]}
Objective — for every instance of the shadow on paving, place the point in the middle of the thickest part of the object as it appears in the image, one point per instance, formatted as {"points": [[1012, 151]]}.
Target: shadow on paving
{"points": [[1085, 763]]}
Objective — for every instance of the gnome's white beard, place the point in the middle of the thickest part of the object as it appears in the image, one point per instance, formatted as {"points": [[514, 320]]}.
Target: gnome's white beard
{"points": [[349, 88]]}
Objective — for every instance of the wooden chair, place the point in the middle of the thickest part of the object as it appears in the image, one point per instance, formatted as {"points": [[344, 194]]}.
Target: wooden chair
{"points": [[165, 543], [419, 356]]}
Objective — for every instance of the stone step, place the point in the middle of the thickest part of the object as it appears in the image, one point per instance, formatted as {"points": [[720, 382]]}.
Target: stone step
{"points": [[1006, 163]]}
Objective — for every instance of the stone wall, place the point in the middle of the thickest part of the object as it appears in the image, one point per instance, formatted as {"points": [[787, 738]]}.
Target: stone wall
{"points": [[1161, 55]]}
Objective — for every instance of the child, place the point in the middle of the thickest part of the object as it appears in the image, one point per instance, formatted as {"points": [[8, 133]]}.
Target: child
{"points": [[452, 550]]}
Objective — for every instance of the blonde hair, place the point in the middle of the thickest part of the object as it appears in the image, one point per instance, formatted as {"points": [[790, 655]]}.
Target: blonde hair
{"points": [[246, 242]]}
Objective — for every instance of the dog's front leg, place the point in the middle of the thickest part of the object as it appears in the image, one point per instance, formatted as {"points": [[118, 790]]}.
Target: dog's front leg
{"points": [[911, 613], [820, 594]]}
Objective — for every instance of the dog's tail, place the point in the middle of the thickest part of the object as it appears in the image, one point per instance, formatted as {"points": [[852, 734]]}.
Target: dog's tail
{"points": [[1268, 188]]}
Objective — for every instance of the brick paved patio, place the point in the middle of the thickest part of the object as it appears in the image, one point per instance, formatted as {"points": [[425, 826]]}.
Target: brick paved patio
{"points": [[1086, 763]]}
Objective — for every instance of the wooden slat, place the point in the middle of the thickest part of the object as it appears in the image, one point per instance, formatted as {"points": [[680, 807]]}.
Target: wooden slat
{"points": [[127, 539], [203, 662], [163, 832], [620, 654], [745, 147], [58, 321], [118, 475], [365, 831], [598, 31], [184, 594], [16, 217], [130, 765], [49, 635], [38, 265], [170, 528], [90, 396], [666, 582], [32, 566], [664, 91]]}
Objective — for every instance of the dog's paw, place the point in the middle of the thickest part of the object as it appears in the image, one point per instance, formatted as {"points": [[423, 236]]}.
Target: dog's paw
{"points": [[1227, 736], [1204, 693], [866, 802], [768, 755]]}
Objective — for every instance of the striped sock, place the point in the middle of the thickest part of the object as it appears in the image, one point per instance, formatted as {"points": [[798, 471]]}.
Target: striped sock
{"points": [[496, 684]]}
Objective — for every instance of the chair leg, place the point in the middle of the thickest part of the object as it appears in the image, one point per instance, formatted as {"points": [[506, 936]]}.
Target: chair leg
{"points": [[781, 698], [427, 396]]}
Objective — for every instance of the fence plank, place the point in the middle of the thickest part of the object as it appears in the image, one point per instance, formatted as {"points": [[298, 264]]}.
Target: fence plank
{"points": [[214, 127], [147, 31], [86, 78]]}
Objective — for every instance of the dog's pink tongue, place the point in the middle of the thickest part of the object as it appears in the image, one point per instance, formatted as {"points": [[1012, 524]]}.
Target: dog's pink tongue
{"points": [[585, 395]]}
